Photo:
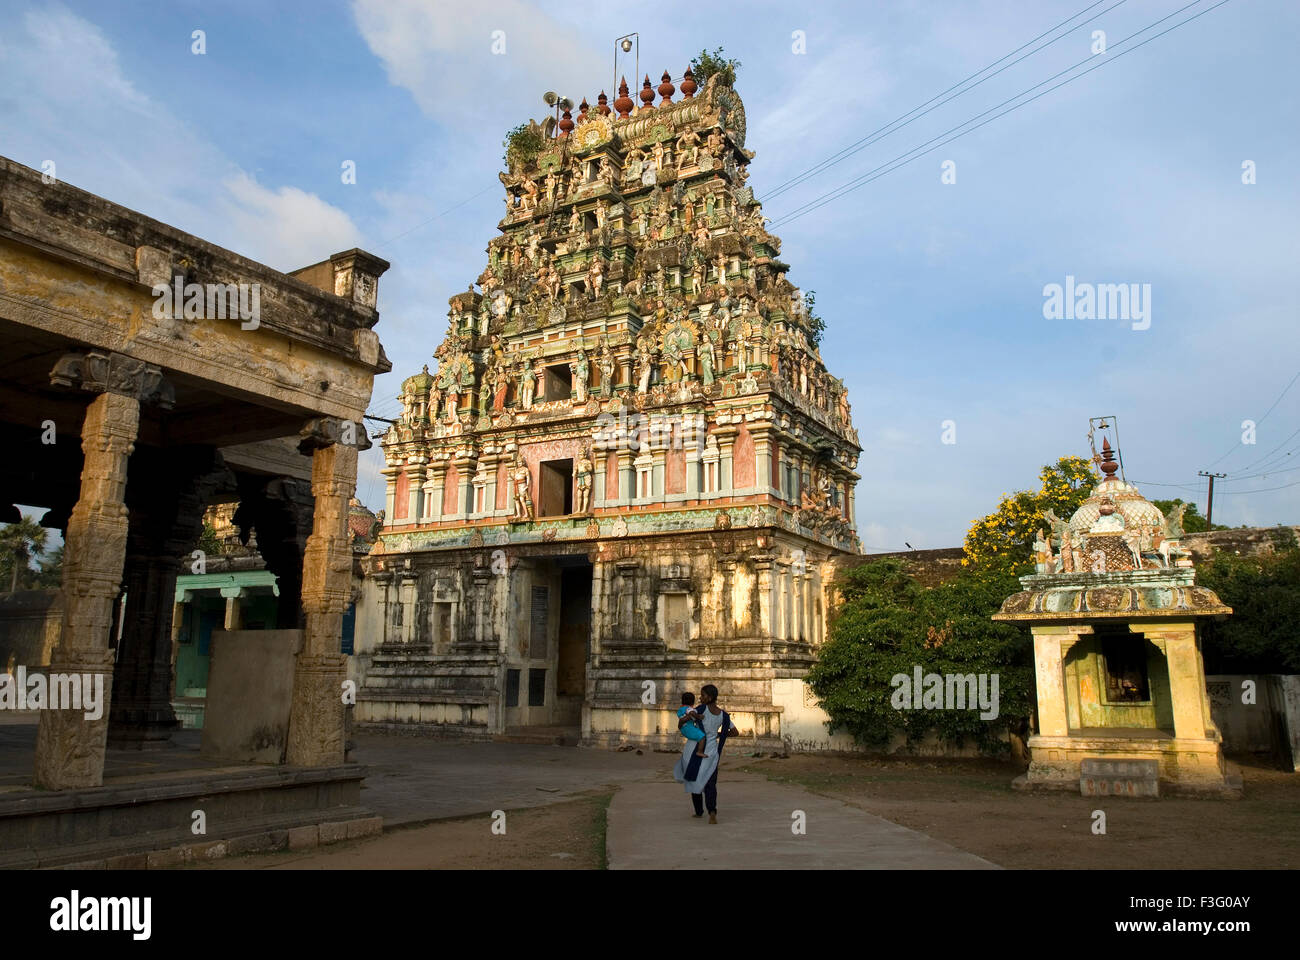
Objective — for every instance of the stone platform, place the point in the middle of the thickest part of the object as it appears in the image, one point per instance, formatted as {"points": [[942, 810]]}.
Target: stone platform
{"points": [[143, 815]]}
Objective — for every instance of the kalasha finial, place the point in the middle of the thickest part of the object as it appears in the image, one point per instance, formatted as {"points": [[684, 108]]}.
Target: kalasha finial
{"points": [[689, 86], [624, 103], [582, 109], [666, 89], [1108, 464], [647, 94], [566, 124], [602, 104]]}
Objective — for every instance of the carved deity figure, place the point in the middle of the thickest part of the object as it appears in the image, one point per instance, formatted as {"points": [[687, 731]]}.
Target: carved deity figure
{"points": [[501, 382], [659, 224], [450, 380], [1043, 560], [1060, 534], [717, 143], [595, 277], [606, 366], [530, 194], [1173, 526], [645, 361], [708, 360], [527, 385], [688, 148], [606, 171], [485, 390], [583, 480], [575, 220], [523, 480], [1067, 553], [581, 370], [698, 275]]}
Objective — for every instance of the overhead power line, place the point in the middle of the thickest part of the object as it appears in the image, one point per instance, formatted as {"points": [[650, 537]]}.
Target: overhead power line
{"points": [[1237, 446], [904, 159], [926, 107]]}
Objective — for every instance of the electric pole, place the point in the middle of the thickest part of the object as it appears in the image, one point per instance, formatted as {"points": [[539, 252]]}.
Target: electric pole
{"points": [[1209, 507]]}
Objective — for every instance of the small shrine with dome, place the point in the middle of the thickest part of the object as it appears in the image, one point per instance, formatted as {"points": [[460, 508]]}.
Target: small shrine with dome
{"points": [[1115, 611]]}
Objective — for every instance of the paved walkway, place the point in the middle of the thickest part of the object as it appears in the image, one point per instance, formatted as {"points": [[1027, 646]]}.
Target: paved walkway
{"points": [[414, 780], [651, 827]]}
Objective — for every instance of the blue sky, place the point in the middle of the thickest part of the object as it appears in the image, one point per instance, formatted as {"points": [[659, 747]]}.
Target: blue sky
{"points": [[932, 292]]}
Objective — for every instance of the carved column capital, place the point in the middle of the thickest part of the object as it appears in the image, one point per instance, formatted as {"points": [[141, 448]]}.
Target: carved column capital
{"points": [[99, 372], [321, 432]]}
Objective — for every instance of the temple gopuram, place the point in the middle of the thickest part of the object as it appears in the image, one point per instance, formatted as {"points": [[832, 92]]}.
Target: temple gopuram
{"points": [[629, 473]]}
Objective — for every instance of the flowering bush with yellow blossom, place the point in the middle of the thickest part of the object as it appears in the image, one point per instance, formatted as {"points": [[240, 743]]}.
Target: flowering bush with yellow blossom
{"points": [[1002, 542]]}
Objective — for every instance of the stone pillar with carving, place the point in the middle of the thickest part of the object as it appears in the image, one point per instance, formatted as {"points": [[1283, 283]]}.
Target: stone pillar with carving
{"points": [[69, 746], [167, 493], [465, 475], [316, 718], [280, 511], [416, 473], [390, 472], [726, 446], [764, 588], [437, 472]]}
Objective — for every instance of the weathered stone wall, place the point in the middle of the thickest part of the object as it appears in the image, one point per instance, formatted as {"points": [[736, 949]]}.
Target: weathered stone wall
{"points": [[929, 567], [1244, 541], [932, 567], [30, 624]]}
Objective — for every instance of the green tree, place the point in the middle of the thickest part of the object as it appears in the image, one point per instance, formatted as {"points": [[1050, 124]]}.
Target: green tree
{"points": [[1264, 593], [707, 64], [523, 144], [1002, 542], [208, 541], [50, 574], [815, 324], [20, 543], [889, 624], [1193, 522]]}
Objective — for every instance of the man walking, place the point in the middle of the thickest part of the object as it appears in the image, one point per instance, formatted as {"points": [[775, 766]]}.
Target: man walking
{"points": [[700, 774]]}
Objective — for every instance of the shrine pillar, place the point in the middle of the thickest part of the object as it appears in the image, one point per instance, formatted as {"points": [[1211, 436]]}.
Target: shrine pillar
{"points": [[70, 744], [316, 717]]}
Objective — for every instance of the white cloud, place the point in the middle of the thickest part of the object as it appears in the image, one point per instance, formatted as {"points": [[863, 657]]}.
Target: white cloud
{"points": [[65, 97], [289, 228], [442, 53]]}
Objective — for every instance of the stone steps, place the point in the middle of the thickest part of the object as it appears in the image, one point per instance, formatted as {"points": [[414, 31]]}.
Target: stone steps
{"points": [[550, 736]]}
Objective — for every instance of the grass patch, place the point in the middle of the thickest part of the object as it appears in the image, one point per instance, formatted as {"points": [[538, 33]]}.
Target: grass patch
{"points": [[600, 829]]}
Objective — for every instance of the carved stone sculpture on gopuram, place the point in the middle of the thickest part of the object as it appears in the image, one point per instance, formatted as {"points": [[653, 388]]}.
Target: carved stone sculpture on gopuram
{"points": [[633, 390]]}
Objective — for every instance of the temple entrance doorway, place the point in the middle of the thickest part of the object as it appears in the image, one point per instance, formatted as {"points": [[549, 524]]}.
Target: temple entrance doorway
{"points": [[545, 688], [574, 643]]}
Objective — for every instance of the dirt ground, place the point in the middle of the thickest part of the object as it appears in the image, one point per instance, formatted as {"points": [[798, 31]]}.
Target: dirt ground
{"points": [[562, 836], [969, 804]]}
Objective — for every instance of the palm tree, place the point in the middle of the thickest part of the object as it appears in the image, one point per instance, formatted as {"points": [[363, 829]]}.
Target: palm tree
{"points": [[19, 543]]}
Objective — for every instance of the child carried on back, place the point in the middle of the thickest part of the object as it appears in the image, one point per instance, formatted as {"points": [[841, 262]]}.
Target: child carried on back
{"points": [[694, 728]]}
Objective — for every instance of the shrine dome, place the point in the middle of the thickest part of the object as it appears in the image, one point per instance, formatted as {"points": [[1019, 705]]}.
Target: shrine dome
{"points": [[421, 382], [1133, 509]]}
